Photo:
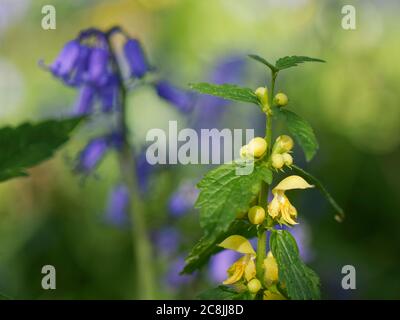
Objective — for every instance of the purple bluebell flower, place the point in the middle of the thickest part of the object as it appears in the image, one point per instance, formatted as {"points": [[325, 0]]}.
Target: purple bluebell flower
{"points": [[98, 66], [77, 76], [109, 94], [136, 58], [180, 98], [92, 154], [84, 103], [220, 263], [66, 60], [167, 240], [173, 277], [118, 206], [183, 199]]}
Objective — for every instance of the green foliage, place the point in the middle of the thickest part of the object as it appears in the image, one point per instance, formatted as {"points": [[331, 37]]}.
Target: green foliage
{"points": [[285, 62], [292, 61], [224, 194], [29, 144], [310, 178], [226, 91], [207, 245], [263, 61], [224, 293], [302, 132], [301, 282]]}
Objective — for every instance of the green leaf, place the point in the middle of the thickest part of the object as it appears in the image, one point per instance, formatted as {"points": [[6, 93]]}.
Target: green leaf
{"points": [[301, 282], [263, 61], [227, 91], [301, 130], [224, 293], [310, 178], [207, 246], [29, 144], [224, 194], [292, 61]]}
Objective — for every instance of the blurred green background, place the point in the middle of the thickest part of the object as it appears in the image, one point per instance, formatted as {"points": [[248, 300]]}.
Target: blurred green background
{"points": [[55, 218]]}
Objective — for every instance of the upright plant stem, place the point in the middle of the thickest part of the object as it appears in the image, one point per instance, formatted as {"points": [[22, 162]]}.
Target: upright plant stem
{"points": [[142, 249], [263, 198]]}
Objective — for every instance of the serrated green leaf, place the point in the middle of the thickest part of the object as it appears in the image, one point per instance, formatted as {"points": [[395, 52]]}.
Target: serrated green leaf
{"points": [[313, 180], [207, 245], [302, 131], [224, 194], [292, 61], [224, 293], [29, 144], [226, 91], [301, 282], [263, 61]]}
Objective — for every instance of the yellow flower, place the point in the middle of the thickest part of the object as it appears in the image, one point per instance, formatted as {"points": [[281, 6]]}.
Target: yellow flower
{"points": [[270, 270], [245, 266], [280, 207], [283, 144], [269, 295]]}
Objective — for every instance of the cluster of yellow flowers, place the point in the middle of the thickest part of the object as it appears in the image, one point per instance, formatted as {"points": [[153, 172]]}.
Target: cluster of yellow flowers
{"points": [[280, 209], [242, 273], [281, 152]]}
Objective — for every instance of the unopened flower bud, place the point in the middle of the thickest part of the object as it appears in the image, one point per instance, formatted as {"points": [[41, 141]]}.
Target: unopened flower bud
{"points": [[256, 215], [287, 159], [254, 285], [277, 160], [283, 144], [244, 151], [281, 99], [257, 147], [262, 95]]}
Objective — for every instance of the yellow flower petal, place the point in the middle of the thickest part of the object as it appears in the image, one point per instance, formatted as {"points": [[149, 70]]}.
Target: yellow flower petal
{"points": [[274, 207], [250, 270], [239, 244], [270, 269], [292, 182], [268, 295], [236, 271]]}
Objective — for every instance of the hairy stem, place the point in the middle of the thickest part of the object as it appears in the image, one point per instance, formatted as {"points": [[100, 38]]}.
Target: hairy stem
{"points": [[142, 249], [263, 198]]}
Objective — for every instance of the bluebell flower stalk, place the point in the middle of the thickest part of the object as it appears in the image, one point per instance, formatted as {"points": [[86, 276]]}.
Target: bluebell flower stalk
{"points": [[89, 64], [127, 162]]}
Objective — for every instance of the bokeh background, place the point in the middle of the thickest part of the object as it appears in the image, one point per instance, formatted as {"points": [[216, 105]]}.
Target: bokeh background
{"points": [[58, 217]]}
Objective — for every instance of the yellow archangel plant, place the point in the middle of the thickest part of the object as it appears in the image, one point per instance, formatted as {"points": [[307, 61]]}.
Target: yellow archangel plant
{"points": [[235, 208]]}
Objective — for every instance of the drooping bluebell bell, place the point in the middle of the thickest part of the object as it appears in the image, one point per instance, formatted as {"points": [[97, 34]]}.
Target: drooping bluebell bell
{"points": [[182, 99], [136, 58], [109, 95], [118, 204], [66, 60], [97, 73], [92, 154], [183, 199], [85, 101]]}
